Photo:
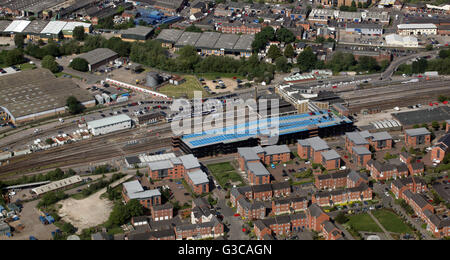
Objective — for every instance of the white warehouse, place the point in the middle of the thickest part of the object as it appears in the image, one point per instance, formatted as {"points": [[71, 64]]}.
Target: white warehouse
{"points": [[109, 124]]}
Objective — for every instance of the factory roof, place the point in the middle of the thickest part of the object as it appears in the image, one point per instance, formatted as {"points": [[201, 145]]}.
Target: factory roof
{"points": [[416, 26], [57, 185], [244, 43], [17, 26], [98, 55], [142, 31], [54, 27], [70, 26], [36, 27], [330, 155], [417, 131], [34, 91], [198, 177], [4, 24], [286, 125], [108, 121], [188, 38], [135, 190], [227, 41], [207, 40], [169, 35], [423, 116]]}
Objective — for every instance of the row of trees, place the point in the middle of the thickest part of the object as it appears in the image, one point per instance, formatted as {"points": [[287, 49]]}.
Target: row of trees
{"points": [[440, 64], [152, 54], [11, 57], [269, 34], [121, 213]]}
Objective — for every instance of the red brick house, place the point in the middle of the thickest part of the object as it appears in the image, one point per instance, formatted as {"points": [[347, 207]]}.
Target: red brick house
{"points": [[417, 203], [212, 229], [416, 168], [355, 179], [173, 168], [361, 156], [331, 181], [162, 212], [257, 174], [311, 149], [198, 180], [134, 190], [289, 205], [330, 231], [237, 28], [331, 198], [439, 227], [331, 160], [412, 183], [417, 137], [440, 149], [386, 171], [353, 139], [315, 217]]}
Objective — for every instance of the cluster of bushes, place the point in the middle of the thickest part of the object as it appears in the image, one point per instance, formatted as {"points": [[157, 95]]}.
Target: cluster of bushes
{"points": [[440, 64], [121, 213], [54, 175], [51, 198], [11, 57]]}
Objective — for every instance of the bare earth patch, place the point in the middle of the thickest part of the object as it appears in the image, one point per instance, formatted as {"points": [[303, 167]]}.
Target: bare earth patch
{"points": [[89, 212]]}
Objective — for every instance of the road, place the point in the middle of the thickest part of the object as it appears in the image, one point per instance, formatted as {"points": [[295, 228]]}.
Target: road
{"points": [[397, 62]]}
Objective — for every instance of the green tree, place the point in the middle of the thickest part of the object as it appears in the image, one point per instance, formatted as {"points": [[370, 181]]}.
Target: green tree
{"points": [[68, 228], [14, 57], [307, 60], [49, 63], [435, 125], [341, 218], [429, 47], [289, 51], [79, 64], [75, 107], [19, 40], [285, 35], [78, 33], [281, 64], [135, 208], [274, 52]]}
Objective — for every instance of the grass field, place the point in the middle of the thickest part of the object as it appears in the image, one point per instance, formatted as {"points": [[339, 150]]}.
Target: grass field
{"points": [[26, 66], [224, 172], [363, 222], [391, 222], [186, 89]]}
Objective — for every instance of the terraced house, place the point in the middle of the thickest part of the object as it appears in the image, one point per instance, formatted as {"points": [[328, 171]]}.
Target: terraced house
{"points": [[331, 198]]}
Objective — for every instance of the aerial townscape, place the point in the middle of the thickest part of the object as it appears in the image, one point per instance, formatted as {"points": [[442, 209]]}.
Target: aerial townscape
{"points": [[224, 120]]}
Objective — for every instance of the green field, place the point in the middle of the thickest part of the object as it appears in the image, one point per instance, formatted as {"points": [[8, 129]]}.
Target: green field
{"points": [[186, 89], [224, 173], [391, 222], [363, 222]]}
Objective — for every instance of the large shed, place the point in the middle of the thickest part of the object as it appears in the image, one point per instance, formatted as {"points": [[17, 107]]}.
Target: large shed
{"points": [[99, 57]]}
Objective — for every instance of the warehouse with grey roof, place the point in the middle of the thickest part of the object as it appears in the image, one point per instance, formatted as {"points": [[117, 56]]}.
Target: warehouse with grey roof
{"points": [[36, 94], [208, 43], [99, 57]]}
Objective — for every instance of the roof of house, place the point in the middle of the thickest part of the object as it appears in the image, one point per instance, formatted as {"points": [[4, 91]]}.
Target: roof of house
{"points": [[330, 155], [135, 190], [361, 150], [189, 161], [317, 143], [198, 177], [356, 138], [276, 149], [258, 169], [417, 131], [314, 210], [381, 136], [248, 153]]}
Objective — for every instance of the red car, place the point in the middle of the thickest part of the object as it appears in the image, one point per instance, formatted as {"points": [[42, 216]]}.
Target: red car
{"points": [[237, 215]]}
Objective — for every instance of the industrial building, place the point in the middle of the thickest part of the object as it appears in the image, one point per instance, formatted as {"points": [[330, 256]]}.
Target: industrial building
{"points": [[99, 57], [139, 33], [57, 185], [417, 29], [208, 43], [42, 29], [36, 94], [290, 129], [109, 124], [401, 41], [423, 116]]}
